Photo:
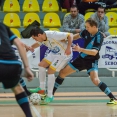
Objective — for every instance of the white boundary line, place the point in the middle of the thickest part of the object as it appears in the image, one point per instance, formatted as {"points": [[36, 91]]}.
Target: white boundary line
{"points": [[35, 110]]}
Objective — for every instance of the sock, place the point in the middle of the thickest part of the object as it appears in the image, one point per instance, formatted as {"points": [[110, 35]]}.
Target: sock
{"points": [[51, 81], [23, 84], [106, 90], [58, 82], [24, 103], [42, 77]]}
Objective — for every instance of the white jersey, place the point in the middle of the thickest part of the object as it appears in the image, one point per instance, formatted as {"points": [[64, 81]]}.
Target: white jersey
{"points": [[54, 41]]}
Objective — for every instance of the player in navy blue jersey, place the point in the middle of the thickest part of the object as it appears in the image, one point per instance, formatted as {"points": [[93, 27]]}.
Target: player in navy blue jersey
{"points": [[87, 59], [10, 67]]}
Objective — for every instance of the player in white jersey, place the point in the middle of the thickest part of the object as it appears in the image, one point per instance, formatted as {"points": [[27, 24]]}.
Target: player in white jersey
{"points": [[61, 53]]}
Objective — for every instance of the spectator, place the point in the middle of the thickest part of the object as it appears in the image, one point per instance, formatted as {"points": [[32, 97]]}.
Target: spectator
{"points": [[101, 20], [73, 22], [90, 4]]}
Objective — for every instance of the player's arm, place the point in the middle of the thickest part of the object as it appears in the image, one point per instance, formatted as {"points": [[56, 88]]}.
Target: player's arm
{"points": [[22, 52], [92, 52], [32, 47], [76, 36]]}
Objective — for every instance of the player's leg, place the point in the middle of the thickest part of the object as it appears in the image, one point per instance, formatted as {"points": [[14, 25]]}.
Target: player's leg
{"points": [[22, 100], [62, 74], [75, 66], [11, 78], [42, 77], [103, 87], [50, 85], [93, 71], [42, 73], [23, 84], [58, 63]]}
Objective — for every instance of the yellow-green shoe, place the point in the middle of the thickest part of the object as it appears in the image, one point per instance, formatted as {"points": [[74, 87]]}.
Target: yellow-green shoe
{"points": [[112, 102]]}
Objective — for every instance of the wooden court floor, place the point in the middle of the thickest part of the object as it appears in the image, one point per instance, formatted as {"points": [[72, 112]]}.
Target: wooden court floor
{"points": [[85, 105]]}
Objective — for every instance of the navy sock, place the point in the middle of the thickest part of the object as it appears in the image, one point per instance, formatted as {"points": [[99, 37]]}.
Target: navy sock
{"points": [[24, 103], [58, 82], [23, 84], [106, 90]]}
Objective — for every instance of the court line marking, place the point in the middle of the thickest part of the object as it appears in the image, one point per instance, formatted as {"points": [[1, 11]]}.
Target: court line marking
{"points": [[35, 110]]}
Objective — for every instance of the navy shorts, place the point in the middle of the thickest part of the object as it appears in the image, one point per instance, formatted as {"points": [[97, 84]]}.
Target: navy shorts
{"points": [[10, 74], [80, 64]]}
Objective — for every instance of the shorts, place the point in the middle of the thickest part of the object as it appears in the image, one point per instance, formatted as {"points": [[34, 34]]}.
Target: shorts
{"points": [[57, 62], [80, 64], [10, 74]]}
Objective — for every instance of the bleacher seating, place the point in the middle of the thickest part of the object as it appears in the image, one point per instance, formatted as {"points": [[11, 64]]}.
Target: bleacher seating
{"points": [[29, 18], [11, 6], [38, 6], [50, 6], [88, 15], [112, 18], [51, 20], [16, 32], [31, 6], [111, 10], [113, 31], [12, 20]]}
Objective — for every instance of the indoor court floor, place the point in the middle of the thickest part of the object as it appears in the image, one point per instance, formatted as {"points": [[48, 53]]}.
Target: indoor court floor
{"points": [[84, 105]]}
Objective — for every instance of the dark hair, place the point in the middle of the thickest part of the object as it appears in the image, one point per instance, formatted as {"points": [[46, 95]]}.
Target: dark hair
{"points": [[92, 22], [35, 31], [74, 6], [101, 7]]}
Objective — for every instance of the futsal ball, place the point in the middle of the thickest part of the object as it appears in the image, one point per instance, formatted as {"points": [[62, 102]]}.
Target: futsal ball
{"points": [[35, 98]]}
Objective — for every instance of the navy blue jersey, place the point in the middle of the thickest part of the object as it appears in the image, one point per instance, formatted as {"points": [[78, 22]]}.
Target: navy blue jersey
{"points": [[6, 40], [91, 42]]}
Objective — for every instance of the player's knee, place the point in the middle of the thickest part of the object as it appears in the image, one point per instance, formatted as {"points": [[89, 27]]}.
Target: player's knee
{"points": [[95, 81], [62, 74], [17, 89]]}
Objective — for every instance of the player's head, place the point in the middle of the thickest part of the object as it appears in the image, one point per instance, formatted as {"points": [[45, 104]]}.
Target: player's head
{"points": [[74, 11], [91, 26], [38, 34], [100, 11]]}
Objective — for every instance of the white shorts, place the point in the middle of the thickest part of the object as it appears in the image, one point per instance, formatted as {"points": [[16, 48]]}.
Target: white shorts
{"points": [[57, 62]]}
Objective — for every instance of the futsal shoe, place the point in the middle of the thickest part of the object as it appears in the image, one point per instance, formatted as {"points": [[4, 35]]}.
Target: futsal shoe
{"points": [[47, 100], [112, 102], [36, 90]]}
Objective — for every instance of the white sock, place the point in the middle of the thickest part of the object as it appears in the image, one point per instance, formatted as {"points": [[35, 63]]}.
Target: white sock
{"points": [[42, 77], [51, 81]]}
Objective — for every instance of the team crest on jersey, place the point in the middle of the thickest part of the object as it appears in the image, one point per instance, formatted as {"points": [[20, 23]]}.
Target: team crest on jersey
{"points": [[55, 49]]}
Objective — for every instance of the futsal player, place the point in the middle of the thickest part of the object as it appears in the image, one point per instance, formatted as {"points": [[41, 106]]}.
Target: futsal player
{"points": [[10, 67], [61, 53], [87, 59]]}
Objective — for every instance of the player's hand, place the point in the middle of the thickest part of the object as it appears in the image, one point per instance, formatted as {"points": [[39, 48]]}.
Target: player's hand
{"points": [[28, 74], [76, 48], [29, 48], [68, 51]]}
